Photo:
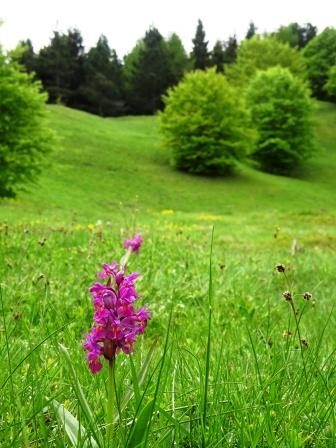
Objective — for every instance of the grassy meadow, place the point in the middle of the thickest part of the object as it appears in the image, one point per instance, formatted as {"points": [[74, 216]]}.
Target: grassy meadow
{"points": [[221, 363]]}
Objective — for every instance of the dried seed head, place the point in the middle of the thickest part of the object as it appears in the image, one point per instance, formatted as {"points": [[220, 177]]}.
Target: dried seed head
{"points": [[307, 295], [304, 342], [280, 267], [287, 295], [286, 333]]}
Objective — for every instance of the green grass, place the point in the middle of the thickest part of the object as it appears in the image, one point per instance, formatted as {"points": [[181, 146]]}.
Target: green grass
{"points": [[105, 165], [214, 376]]}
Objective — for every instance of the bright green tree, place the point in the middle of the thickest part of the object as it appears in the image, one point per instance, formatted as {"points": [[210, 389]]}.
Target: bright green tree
{"points": [[25, 136], [262, 53], [330, 85], [281, 111], [320, 55], [205, 124]]}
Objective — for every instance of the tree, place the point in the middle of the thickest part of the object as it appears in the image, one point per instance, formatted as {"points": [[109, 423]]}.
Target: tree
{"points": [[178, 59], [147, 73], [200, 54], [102, 89], [218, 57], [252, 30], [205, 124], [27, 56], [230, 50], [320, 55], [24, 135], [295, 35], [281, 110], [59, 66], [330, 85], [262, 53]]}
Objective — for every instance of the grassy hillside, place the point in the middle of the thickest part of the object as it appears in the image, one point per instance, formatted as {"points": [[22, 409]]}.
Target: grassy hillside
{"points": [[105, 165]]}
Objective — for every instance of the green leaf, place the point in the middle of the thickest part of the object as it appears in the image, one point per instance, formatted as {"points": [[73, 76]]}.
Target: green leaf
{"points": [[75, 431], [141, 425]]}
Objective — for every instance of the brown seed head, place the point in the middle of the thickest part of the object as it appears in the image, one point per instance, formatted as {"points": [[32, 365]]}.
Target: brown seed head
{"points": [[280, 267], [307, 295], [287, 295], [304, 342]]}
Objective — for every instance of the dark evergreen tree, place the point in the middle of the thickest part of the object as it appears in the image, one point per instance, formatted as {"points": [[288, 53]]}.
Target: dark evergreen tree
{"points": [[200, 55], [27, 57], [60, 66], [147, 73], [307, 33], [102, 89], [178, 59], [230, 50], [218, 56], [252, 30]]}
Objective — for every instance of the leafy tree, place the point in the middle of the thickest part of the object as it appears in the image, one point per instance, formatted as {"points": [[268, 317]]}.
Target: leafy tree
{"points": [[218, 57], [147, 73], [59, 66], [330, 85], [252, 30], [295, 35], [288, 34], [262, 53], [178, 59], [27, 56], [24, 135], [281, 110], [230, 50], [200, 54], [320, 55], [102, 89], [205, 124]]}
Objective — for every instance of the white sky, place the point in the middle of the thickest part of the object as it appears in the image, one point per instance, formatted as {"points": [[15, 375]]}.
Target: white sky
{"points": [[125, 21]]}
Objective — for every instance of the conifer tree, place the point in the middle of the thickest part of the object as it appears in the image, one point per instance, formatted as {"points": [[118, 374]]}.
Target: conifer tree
{"points": [[147, 73], [230, 50], [59, 66], [218, 56], [252, 30], [200, 54], [102, 89]]}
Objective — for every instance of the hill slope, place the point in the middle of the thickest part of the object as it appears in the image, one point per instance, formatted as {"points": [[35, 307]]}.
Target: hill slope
{"points": [[102, 163]]}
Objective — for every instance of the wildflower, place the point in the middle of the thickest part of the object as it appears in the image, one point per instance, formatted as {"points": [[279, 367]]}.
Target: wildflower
{"points": [[134, 243], [116, 322]]}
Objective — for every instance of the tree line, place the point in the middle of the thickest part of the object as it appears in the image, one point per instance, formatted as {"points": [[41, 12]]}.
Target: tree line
{"points": [[98, 81]]}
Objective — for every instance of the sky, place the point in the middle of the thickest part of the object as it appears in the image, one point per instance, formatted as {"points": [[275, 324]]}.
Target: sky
{"points": [[125, 21]]}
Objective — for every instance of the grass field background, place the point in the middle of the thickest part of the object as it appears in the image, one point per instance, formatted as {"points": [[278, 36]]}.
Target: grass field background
{"points": [[251, 385]]}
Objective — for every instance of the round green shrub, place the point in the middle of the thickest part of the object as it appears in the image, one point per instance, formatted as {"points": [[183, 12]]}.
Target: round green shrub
{"points": [[205, 124], [281, 111], [24, 134]]}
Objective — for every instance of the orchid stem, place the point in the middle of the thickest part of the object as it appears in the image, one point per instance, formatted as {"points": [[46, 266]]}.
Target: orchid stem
{"points": [[111, 402]]}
